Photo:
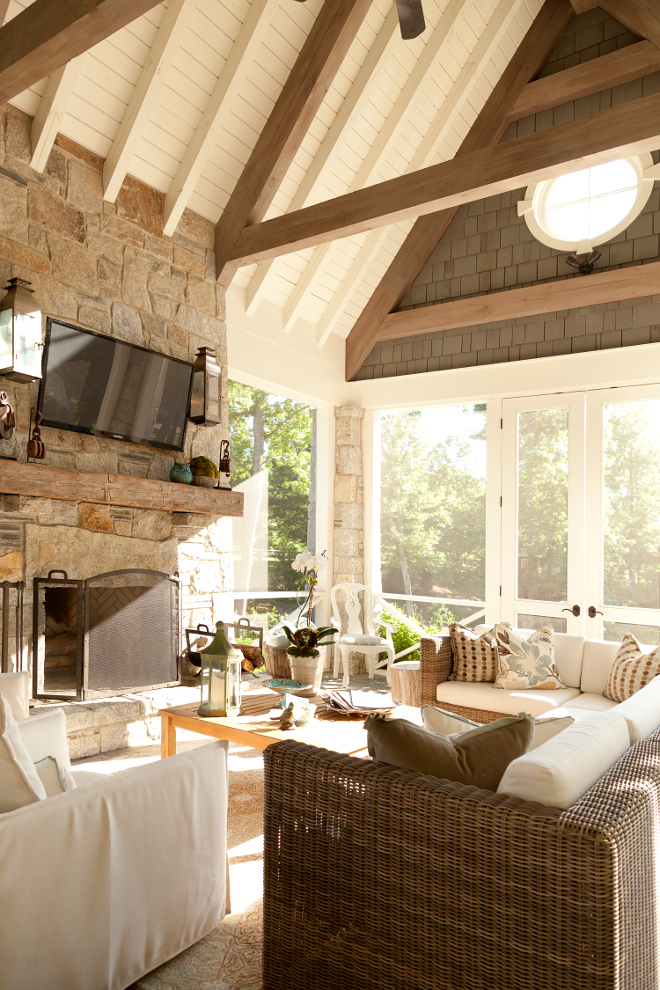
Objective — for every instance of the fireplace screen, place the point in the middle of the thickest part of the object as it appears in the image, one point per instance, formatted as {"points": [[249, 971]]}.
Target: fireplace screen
{"points": [[113, 633]]}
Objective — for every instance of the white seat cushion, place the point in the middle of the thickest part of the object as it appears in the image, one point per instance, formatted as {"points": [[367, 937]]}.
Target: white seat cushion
{"points": [[363, 641], [561, 771], [16, 689], [596, 665], [483, 694], [593, 702], [19, 781], [642, 711]]}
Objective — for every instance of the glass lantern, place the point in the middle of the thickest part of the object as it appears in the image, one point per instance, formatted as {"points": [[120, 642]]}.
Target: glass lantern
{"points": [[205, 395], [220, 676], [20, 333]]}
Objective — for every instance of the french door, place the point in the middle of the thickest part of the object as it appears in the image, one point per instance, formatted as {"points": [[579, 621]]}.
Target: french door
{"points": [[581, 512]]}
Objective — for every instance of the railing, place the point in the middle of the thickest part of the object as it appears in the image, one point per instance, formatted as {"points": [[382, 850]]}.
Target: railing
{"points": [[407, 620]]}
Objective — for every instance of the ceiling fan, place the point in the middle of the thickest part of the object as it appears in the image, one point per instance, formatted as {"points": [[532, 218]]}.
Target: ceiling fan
{"points": [[411, 18]]}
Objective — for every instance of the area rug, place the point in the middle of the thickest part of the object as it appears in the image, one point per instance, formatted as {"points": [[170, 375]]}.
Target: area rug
{"points": [[229, 957]]}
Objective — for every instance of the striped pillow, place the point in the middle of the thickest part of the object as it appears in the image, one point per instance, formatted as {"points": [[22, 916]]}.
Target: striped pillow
{"points": [[632, 669], [475, 657]]}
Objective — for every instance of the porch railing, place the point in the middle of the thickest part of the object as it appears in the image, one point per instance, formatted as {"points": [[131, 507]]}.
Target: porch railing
{"points": [[386, 600]]}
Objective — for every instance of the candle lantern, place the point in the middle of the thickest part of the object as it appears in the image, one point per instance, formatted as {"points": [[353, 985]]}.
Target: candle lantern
{"points": [[224, 466], [220, 676], [20, 333], [205, 395]]}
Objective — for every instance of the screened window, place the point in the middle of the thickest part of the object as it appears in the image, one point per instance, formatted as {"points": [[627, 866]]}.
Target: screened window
{"points": [[273, 450], [433, 511]]}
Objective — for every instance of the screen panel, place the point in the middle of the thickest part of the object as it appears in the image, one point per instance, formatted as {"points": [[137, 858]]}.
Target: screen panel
{"points": [[99, 385]]}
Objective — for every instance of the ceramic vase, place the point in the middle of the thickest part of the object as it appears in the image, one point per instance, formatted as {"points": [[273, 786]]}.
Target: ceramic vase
{"points": [[181, 474], [309, 670]]}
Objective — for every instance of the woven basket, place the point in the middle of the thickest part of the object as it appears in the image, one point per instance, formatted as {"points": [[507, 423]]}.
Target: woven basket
{"points": [[277, 661]]}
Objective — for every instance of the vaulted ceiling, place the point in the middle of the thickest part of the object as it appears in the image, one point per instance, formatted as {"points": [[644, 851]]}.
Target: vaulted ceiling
{"points": [[212, 103]]}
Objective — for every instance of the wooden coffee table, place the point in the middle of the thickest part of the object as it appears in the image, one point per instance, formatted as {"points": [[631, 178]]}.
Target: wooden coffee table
{"points": [[256, 729]]}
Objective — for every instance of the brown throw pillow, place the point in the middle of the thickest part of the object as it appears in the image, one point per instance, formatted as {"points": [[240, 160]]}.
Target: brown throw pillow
{"points": [[632, 669], [479, 756], [475, 657]]}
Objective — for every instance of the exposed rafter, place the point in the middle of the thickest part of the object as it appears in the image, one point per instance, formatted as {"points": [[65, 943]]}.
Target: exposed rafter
{"points": [[426, 153], [322, 54], [533, 300], [386, 136], [387, 38], [615, 133], [48, 118], [590, 77], [49, 33], [642, 17], [145, 95], [582, 6], [200, 147], [4, 6]]}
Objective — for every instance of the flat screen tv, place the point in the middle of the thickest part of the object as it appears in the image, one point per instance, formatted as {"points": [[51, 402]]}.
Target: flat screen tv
{"points": [[96, 384]]}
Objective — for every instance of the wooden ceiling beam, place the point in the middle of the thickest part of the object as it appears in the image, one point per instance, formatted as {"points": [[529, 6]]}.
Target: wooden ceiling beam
{"points": [[601, 137], [49, 33], [582, 6], [642, 17], [590, 77], [4, 6], [534, 300], [304, 90], [530, 57]]}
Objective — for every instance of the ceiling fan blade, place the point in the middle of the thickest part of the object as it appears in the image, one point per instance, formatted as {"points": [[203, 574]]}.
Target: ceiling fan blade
{"points": [[411, 18]]}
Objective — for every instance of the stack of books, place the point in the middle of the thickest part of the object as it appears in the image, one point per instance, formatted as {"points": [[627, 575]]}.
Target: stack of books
{"points": [[360, 702]]}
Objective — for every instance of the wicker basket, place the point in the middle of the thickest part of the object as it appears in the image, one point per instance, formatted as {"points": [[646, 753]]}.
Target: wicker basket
{"points": [[277, 661]]}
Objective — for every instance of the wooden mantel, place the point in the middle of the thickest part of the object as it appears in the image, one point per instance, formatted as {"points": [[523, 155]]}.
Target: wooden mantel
{"points": [[18, 478]]}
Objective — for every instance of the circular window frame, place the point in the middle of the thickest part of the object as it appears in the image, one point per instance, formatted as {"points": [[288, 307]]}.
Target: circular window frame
{"points": [[532, 206]]}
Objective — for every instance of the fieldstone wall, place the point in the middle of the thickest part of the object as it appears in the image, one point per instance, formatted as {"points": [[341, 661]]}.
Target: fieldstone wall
{"points": [[109, 268], [348, 564]]}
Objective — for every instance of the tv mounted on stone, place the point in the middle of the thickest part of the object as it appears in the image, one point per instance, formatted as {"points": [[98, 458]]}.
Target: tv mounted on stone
{"points": [[109, 388]]}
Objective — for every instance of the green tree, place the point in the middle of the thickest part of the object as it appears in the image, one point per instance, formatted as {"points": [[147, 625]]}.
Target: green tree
{"points": [[269, 432], [631, 518]]}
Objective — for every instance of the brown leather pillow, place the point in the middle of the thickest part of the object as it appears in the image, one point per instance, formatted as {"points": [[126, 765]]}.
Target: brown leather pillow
{"points": [[479, 756]]}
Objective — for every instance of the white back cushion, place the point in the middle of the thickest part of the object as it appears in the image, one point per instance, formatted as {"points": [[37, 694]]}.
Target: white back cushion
{"points": [[568, 654], [19, 782], [642, 711], [564, 769], [596, 665], [16, 689], [45, 735]]}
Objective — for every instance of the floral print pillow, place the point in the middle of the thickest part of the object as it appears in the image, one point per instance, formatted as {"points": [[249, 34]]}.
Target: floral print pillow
{"points": [[526, 663]]}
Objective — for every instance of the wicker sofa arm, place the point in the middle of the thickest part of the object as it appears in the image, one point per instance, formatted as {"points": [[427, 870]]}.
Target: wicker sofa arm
{"points": [[377, 877], [436, 665]]}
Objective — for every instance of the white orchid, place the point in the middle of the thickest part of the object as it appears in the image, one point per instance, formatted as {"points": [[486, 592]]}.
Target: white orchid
{"points": [[309, 564]]}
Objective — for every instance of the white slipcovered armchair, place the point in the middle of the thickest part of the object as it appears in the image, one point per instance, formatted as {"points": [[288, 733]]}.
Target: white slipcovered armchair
{"points": [[103, 883], [356, 630]]}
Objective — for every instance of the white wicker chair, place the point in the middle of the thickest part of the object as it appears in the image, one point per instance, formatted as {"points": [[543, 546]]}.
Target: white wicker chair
{"points": [[357, 634]]}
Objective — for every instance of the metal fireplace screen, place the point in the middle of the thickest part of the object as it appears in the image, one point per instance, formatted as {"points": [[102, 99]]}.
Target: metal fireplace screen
{"points": [[115, 632]]}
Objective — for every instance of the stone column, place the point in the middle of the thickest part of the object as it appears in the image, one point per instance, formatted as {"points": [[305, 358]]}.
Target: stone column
{"points": [[348, 564]]}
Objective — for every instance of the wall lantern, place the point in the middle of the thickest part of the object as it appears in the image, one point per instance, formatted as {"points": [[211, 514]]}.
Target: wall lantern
{"points": [[20, 333], [220, 676], [205, 396]]}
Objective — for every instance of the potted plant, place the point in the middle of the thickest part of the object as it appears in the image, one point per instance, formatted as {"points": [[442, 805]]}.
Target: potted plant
{"points": [[204, 472], [305, 642]]}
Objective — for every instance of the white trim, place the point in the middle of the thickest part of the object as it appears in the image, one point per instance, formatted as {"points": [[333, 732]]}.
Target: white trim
{"points": [[493, 559], [53, 105], [533, 205]]}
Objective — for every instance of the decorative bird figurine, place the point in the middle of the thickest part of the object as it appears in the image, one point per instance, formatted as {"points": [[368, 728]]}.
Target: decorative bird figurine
{"points": [[286, 718]]}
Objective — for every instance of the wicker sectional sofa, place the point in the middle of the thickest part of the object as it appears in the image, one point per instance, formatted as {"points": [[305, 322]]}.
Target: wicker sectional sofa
{"points": [[382, 879]]}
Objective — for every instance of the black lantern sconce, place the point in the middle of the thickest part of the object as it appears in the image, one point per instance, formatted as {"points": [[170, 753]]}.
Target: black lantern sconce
{"points": [[224, 466], [20, 333], [205, 395]]}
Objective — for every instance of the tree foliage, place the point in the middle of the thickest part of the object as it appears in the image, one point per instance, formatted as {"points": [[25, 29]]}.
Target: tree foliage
{"points": [[270, 432], [433, 508]]}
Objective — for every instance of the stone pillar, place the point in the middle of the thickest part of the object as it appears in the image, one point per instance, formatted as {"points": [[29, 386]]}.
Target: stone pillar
{"points": [[348, 564]]}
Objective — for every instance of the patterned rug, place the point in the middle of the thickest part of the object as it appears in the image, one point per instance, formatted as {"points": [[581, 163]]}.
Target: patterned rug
{"points": [[229, 957]]}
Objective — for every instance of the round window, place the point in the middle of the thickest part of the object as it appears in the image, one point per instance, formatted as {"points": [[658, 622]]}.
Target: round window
{"points": [[577, 211]]}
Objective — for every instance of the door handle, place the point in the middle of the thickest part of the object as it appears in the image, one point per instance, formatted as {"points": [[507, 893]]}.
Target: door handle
{"points": [[575, 610], [592, 612]]}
